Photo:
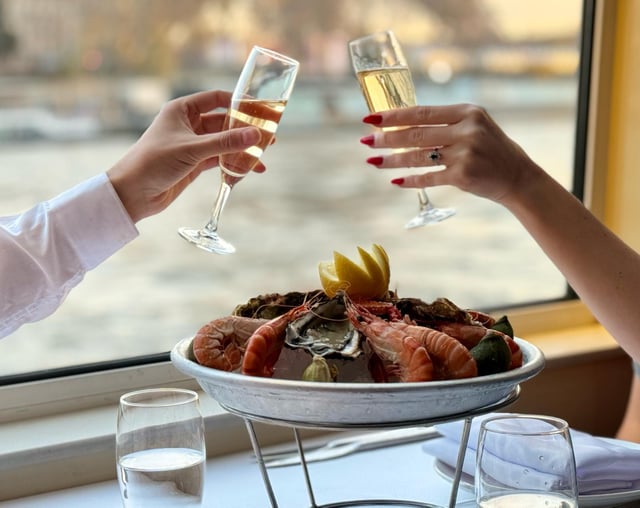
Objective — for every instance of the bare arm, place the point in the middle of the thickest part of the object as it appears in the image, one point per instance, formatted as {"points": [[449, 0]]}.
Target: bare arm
{"points": [[601, 268], [480, 158]]}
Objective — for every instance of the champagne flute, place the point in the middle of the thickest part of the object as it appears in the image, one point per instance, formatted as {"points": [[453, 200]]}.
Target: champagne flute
{"points": [[385, 80], [160, 449], [525, 460], [259, 99]]}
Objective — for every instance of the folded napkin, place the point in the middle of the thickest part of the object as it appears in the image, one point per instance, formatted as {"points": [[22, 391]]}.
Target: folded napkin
{"points": [[602, 465]]}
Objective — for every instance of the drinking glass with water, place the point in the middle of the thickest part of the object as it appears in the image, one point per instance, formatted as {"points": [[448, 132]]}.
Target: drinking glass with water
{"points": [[160, 449], [525, 460]]}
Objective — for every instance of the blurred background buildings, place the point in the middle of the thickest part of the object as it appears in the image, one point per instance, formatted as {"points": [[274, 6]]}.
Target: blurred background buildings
{"points": [[118, 61]]}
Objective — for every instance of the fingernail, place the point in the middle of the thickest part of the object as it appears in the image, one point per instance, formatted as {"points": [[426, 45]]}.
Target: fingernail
{"points": [[367, 140], [372, 119], [376, 161], [397, 181]]}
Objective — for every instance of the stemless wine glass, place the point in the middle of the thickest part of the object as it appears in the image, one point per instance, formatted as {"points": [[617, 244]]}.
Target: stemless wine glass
{"points": [[160, 449], [525, 460], [386, 83], [259, 99]]}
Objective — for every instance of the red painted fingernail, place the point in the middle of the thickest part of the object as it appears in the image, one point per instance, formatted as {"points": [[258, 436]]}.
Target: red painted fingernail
{"points": [[397, 181], [367, 140], [376, 161], [372, 119]]}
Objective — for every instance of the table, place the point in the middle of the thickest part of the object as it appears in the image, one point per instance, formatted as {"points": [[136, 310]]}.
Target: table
{"points": [[234, 481]]}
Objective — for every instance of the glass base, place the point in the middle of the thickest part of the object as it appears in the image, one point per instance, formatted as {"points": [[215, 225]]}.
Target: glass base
{"points": [[207, 240], [380, 503], [430, 216]]}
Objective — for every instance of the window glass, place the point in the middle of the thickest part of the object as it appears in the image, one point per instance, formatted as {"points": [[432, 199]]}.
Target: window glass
{"points": [[79, 82]]}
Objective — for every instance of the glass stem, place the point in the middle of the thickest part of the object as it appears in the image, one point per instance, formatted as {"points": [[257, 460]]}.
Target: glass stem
{"points": [[423, 198], [216, 211]]}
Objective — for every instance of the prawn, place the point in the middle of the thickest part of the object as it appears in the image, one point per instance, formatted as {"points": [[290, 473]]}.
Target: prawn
{"points": [[516, 352], [220, 344], [468, 335], [452, 360], [408, 359], [266, 343]]}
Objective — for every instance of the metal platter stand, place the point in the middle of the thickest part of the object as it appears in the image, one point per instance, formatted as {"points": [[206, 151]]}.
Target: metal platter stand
{"points": [[295, 425]]}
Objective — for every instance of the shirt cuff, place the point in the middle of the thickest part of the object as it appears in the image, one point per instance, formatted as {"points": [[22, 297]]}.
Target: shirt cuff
{"points": [[96, 223]]}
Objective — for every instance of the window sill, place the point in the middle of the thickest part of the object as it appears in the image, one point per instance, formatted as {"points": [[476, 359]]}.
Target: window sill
{"points": [[76, 447]]}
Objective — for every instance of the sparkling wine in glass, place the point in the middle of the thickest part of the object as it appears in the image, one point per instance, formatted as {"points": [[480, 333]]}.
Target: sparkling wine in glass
{"points": [[385, 80], [160, 449], [259, 99]]}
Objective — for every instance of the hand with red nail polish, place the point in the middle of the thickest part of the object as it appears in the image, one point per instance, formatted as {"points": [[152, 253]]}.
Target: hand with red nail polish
{"points": [[368, 140], [468, 143], [373, 119], [482, 159]]}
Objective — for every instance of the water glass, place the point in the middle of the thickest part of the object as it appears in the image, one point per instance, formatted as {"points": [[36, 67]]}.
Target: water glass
{"points": [[525, 460], [160, 449]]}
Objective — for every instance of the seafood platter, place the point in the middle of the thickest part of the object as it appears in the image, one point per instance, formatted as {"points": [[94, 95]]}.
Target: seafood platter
{"points": [[354, 354]]}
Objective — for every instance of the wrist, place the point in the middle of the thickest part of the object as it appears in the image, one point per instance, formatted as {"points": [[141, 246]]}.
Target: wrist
{"points": [[123, 191], [530, 189]]}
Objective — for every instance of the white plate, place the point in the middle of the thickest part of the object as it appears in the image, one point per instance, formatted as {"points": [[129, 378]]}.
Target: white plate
{"points": [[607, 500]]}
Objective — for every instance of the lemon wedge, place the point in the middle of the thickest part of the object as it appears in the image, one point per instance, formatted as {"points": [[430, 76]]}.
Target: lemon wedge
{"points": [[383, 260], [330, 281], [379, 286], [368, 278]]}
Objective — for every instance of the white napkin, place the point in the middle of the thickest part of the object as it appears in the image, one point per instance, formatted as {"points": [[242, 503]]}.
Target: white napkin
{"points": [[602, 465]]}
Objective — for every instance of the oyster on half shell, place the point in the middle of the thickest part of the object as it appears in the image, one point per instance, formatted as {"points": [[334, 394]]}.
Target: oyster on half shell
{"points": [[325, 331]]}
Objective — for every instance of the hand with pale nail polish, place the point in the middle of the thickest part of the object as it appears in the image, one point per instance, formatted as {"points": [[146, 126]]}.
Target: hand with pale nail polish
{"points": [[184, 139]]}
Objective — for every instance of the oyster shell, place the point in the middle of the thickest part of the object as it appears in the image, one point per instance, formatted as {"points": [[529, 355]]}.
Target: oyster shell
{"points": [[325, 331], [429, 314], [272, 305]]}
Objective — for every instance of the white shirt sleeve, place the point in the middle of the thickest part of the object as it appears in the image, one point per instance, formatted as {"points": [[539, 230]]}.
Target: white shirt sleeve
{"points": [[46, 251]]}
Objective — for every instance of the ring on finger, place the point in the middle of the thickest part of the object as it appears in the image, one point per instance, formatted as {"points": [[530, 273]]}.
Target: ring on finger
{"points": [[434, 155]]}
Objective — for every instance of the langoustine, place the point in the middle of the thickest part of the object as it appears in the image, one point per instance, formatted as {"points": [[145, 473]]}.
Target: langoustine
{"points": [[266, 343], [220, 344], [401, 352], [450, 358]]}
